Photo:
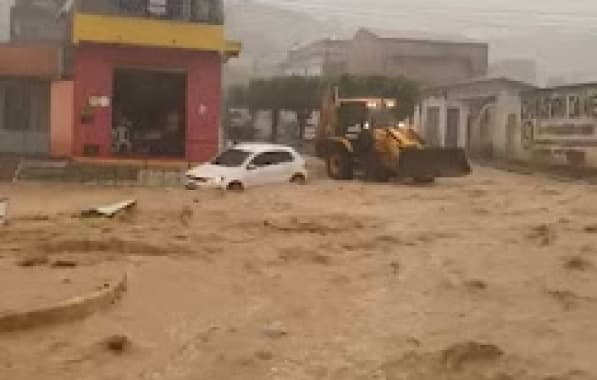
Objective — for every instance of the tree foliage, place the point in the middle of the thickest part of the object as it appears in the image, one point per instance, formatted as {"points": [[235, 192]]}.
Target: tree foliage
{"points": [[303, 94], [406, 92]]}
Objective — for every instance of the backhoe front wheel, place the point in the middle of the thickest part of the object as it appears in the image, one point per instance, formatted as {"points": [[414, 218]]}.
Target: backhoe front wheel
{"points": [[339, 165]]}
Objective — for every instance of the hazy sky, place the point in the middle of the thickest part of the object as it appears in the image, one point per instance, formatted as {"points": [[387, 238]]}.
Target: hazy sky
{"points": [[479, 18], [4, 21]]}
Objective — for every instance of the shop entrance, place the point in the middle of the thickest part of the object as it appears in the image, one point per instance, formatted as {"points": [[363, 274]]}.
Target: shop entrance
{"points": [[149, 113]]}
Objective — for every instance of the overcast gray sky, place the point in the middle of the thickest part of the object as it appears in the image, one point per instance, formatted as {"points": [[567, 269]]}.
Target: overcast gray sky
{"points": [[473, 17], [4, 20], [558, 34]]}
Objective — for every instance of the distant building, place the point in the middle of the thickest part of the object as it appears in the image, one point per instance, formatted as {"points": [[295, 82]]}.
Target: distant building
{"points": [[507, 119], [427, 59], [324, 57], [481, 115], [37, 21]]}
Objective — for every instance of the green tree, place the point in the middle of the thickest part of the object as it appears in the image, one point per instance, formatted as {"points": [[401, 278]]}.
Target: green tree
{"points": [[293, 93], [405, 91], [302, 95]]}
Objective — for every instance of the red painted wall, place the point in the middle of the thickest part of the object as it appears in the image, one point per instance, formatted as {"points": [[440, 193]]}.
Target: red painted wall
{"points": [[94, 67]]}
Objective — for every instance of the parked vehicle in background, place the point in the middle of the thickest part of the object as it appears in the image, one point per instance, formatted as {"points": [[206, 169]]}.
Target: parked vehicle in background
{"points": [[248, 165]]}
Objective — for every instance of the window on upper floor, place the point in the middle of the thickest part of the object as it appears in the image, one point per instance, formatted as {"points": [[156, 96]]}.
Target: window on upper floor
{"points": [[205, 11]]}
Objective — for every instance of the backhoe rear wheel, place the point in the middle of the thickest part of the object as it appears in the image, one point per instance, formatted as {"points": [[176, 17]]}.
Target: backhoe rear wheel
{"points": [[339, 165]]}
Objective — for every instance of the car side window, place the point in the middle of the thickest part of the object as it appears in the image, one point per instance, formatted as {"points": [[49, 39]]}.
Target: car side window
{"points": [[284, 157], [263, 159], [272, 158]]}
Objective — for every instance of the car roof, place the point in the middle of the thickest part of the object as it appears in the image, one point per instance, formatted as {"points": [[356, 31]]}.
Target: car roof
{"points": [[262, 147]]}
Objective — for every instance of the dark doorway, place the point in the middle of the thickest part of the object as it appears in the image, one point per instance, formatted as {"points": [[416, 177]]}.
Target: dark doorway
{"points": [[452, 126], [469, 133], [432, 126], [149, 113]]}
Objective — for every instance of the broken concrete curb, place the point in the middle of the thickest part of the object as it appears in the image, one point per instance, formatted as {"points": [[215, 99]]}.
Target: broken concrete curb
{"points": [[66, 311]]}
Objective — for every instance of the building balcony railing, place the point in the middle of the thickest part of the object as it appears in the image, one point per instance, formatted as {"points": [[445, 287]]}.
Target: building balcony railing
{"points": [[199, 11], [183, 24]]}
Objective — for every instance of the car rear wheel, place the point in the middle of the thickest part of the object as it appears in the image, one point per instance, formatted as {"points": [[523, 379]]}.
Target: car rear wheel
{"points": [[298, 179], [235, 186]]}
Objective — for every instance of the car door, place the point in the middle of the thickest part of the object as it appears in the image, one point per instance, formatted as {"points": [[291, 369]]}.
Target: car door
{"points": [[285, 166], [261, 169]]}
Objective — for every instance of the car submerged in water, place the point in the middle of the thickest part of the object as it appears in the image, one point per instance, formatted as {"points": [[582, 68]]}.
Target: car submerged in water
{"points": [[248, 165]]}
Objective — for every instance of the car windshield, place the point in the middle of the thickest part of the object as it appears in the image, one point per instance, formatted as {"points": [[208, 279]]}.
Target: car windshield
{"points": [[231, 158]]}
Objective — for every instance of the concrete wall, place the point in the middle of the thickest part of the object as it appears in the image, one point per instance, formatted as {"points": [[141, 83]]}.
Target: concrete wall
{"points": [[489, 123], [507, 106], [94, 67]]}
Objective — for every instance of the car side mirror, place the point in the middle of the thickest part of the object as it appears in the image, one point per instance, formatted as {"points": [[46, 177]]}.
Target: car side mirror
{"points": [[251, 167]]}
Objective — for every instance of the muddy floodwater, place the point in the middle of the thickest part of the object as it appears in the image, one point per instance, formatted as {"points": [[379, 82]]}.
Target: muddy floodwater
{"points": [[490, 277]]}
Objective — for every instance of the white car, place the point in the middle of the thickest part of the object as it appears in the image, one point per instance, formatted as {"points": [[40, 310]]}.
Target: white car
{"points": [[247, 165]]}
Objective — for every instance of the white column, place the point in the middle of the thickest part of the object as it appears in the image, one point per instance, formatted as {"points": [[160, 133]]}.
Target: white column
{"points": [[443, 122], [463, 125]]}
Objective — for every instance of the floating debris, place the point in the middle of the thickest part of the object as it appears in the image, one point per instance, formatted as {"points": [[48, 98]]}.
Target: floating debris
{"points": [[109, 211]]}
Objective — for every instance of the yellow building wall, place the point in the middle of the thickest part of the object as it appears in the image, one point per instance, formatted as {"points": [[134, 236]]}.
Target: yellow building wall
{"points": [[148, 32]]}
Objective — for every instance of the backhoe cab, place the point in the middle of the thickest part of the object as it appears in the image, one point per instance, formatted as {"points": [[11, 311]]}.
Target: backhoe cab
{"points": [[364, 135]]}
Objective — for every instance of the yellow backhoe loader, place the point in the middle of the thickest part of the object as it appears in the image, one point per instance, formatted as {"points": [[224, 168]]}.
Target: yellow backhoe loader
{"points": [[363, 135]]}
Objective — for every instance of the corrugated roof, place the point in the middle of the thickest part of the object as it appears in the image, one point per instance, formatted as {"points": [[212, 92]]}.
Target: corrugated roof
{"points": [[419, 36], [481, 80]]}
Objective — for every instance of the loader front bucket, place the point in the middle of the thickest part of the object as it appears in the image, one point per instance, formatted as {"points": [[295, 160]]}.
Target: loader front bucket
{"points": [[433, 162]]}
